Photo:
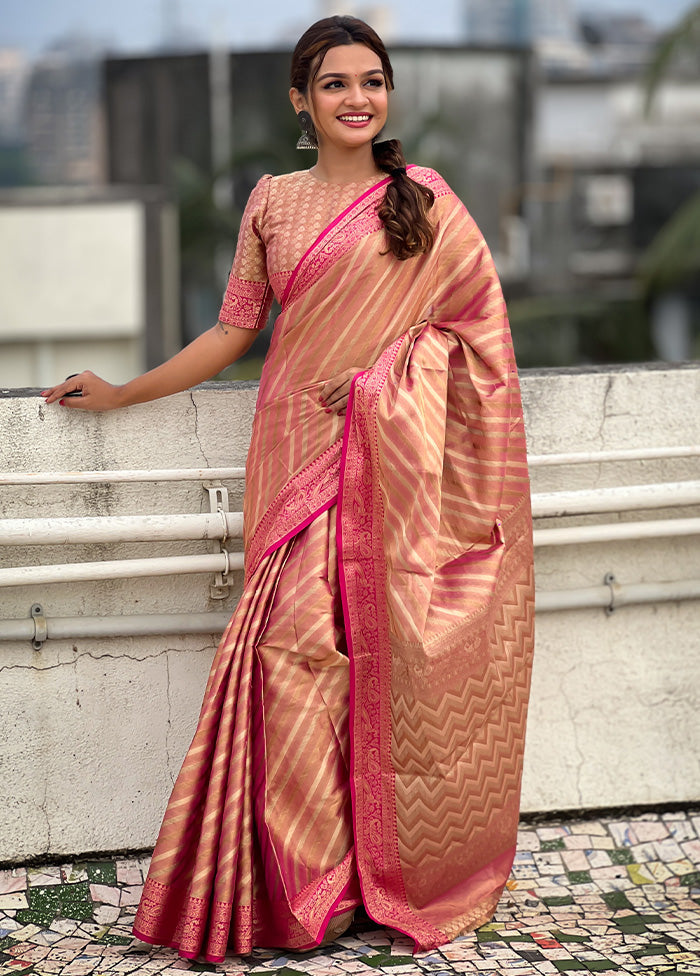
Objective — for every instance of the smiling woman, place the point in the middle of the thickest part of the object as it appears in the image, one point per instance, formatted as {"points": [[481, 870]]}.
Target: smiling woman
{"points": [[340, 81], [361, 737]]}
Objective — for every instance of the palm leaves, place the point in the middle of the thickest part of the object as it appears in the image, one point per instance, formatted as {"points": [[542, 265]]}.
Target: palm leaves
{"points": [[682, 39], [674, 254]]}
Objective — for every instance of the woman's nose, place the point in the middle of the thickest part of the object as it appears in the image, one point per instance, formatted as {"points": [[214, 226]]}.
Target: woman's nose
{"points": [[356, 95]]}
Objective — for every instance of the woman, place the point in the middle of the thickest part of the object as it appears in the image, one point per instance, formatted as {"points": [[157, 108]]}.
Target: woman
{"points": [[362, 729]]}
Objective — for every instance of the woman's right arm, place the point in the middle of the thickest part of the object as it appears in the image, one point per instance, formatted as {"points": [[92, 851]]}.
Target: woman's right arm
{"points": [[203, 358]]}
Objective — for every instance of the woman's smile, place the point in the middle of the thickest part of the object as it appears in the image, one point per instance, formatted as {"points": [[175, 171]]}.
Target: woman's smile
{"points": [[355, 120]]}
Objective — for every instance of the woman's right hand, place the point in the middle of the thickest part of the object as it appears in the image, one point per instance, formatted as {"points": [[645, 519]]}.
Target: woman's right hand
{"points": [[203, 358], [95, 393]]}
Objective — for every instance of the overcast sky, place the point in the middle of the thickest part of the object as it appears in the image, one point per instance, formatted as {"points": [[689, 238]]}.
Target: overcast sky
{"points": [[132, 25]]}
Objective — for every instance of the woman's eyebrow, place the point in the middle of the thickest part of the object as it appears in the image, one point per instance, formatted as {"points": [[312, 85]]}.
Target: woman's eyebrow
{"points": [[339, 74]]}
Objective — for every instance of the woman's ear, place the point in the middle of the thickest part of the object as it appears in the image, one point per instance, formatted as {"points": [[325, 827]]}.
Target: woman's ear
{"points": [[298, 101]]}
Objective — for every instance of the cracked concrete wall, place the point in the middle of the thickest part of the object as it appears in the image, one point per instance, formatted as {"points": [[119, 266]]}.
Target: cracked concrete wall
{"points": [[94, 731], [615, 704]]}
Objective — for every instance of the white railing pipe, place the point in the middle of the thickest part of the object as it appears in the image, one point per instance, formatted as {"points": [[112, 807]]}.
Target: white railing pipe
{"points": [[616, 532], [121, 528], [136, 625], [116, 477], [625, 498], [614, 595], [229, 525], [237, 473], [599, 457], [220, 562]]}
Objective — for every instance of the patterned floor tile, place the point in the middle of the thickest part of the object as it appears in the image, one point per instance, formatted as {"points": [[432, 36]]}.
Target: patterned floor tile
{"points": [[44, 876], [14, 900], [73, 873], [13, 881], [597, 896]]}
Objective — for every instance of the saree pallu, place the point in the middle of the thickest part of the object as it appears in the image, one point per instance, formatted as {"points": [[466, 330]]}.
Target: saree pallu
{"points": [[362, 731]]}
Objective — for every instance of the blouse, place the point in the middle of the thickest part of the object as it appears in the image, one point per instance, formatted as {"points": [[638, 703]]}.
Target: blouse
{"points": [[284, 216]]}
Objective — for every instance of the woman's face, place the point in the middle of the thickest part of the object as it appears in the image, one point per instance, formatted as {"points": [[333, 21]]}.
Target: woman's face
{"points": [[348, 98]]}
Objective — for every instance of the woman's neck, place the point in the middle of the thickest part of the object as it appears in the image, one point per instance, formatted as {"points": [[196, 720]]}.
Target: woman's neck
{"points": [[346, 165]]}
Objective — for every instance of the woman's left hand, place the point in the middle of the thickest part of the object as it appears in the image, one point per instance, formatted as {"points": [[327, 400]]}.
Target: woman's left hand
{"points": [[335, 393]]}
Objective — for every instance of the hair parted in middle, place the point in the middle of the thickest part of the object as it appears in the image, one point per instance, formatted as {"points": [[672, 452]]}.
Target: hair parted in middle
{"points": [[404, 210]]}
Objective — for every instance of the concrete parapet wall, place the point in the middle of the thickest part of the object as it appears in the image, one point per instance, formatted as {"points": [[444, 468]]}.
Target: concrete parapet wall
{"points": [[94, 730]]}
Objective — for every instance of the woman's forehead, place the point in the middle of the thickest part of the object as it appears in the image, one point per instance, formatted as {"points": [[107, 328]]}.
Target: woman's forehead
{"points": [[350, 59]]}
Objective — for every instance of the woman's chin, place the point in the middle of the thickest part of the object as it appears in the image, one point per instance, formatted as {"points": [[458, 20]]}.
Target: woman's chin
{"points": [[353, 139]]}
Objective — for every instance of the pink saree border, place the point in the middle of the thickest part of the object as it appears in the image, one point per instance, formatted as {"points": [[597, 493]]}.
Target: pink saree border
{"points": [[324, 233], [300, 526], [362, 576], [366, 624], [342, 220], [304, 497]]}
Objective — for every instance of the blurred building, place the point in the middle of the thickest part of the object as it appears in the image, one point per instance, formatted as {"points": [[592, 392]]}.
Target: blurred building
{"points": [[519, 22], [15, 169], [462, 110], [551, 151], [379, 15], [14, 71], [158, 110], [617, 44], [621, 31], [88, 280], [63, 116], [601, 43], [611, 176], [160, 113]]}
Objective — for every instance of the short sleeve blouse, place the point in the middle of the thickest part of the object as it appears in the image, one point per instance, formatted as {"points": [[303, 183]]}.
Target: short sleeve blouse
{"points": [[283, 217], [248, 297]]}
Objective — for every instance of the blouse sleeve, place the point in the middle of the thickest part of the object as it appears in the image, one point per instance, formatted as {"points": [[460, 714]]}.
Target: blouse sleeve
{"points": [[248, 295]]}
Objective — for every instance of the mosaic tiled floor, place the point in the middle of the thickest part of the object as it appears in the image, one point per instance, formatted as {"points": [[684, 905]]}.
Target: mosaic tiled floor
{"points": [[610, 895]]}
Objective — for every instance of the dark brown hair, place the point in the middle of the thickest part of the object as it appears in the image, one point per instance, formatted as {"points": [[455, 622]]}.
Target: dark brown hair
{"points": [[404, 210]]}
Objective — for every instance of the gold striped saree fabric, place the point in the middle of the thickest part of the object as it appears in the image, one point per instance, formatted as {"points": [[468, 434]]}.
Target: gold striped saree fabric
{"points": [[362, 731]]}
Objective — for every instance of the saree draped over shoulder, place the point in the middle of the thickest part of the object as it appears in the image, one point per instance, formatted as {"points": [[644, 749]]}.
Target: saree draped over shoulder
{"points": [[362, 731]]}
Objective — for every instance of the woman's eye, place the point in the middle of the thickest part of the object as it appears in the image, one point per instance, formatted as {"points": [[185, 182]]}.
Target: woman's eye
{"points": [[333, 84], [375, 83]]}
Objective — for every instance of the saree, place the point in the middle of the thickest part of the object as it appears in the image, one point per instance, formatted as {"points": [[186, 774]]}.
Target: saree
{"points": [[362, 731]]}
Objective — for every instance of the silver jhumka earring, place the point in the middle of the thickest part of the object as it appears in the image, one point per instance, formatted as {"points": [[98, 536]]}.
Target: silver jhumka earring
{"points": [[307, 139]]}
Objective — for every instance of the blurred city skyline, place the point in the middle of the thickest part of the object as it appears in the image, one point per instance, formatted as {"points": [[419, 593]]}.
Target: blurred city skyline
{"points": [[135, 25], [577, 190]]}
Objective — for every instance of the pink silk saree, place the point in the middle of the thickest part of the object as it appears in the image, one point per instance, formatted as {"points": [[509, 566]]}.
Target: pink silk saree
{"points": [[362, 731]]}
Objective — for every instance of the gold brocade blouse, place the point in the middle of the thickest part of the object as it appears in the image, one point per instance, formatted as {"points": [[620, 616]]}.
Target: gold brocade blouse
{"points": [[282, 219]]}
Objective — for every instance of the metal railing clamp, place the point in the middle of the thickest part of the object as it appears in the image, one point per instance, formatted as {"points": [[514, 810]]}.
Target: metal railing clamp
{"points": [[41, 631], [609, 581], [218, 504]]}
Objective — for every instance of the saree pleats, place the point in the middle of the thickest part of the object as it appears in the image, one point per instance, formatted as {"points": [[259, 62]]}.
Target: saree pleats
{"points": [[256, 847], [304, 803], [362, 732]]}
